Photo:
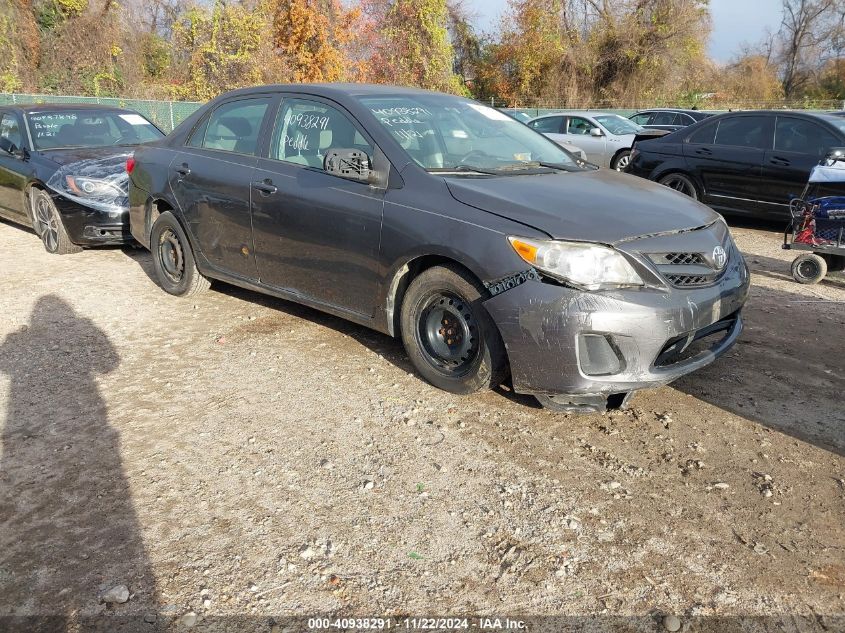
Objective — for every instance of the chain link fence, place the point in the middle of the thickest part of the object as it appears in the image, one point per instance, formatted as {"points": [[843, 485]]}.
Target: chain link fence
{"points": [[168, 114], [165, 114]]}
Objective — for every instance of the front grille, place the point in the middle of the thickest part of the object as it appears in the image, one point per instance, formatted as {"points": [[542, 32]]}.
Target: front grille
{"points": [[690, 281], [685, 269], [678, 259]]}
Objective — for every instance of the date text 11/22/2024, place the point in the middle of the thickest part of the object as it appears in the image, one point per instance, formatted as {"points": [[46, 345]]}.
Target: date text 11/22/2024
{"points": [[416, 624]]}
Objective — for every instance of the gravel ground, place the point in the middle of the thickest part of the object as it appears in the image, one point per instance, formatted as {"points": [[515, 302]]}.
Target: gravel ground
{"points": [[238, 455]]}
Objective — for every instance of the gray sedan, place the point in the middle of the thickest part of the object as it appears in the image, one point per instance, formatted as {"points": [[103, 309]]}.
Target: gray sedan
{"points": [[485, 247], [605, 137]]}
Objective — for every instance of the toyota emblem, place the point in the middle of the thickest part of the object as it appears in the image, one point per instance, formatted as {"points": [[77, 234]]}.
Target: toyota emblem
{"points": [[720, 257]]}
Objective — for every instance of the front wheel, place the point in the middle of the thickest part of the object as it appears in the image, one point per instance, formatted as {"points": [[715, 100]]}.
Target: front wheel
{"points": [[450, 339], [173, 259], [680, 183], [809, 268], [48, 225], [621, 160]]}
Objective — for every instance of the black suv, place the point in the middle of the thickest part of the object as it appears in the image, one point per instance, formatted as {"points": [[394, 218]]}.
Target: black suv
{"points": [[749, 163]]}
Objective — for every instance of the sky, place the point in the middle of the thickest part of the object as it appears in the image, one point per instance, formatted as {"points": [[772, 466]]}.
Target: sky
{"points": [[734, 22]]}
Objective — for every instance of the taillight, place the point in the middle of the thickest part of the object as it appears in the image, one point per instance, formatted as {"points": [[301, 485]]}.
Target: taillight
{"points": [[130, 164]]}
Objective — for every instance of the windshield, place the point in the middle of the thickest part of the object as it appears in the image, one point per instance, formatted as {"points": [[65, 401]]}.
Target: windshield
{"points": [[445, 133], [89, 128], [616, 124]]}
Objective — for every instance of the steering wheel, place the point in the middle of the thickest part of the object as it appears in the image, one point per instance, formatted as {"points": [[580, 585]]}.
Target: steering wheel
{"points": [[474, 153]]}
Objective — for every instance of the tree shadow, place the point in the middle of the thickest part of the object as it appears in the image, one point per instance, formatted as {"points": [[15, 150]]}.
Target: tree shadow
{"points": [[68, 528]]}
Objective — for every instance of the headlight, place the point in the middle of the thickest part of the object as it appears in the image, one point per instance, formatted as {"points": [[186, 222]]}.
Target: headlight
{"points": [[92, 187], [589, 266]]}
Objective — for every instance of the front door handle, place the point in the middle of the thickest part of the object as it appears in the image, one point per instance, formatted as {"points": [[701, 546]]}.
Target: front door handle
{"points": [[266, 187], [183, 170], [777, 160], [703, 151]]}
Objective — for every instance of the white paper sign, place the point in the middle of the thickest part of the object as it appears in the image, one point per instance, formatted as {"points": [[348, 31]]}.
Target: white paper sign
{"points": [[490, 113], [134, 119]]}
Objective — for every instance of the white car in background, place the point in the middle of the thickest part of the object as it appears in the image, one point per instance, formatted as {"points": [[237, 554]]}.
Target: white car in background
{"points": [[605, 137]]}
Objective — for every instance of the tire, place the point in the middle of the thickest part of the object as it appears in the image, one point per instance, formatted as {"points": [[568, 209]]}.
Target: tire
{"points": [[173, 259], [680, 183], [48, 224], [450, 339], [621, 160], [809, 268]]}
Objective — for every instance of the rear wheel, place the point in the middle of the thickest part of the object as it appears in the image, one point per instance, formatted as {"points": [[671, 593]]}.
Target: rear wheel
{"points": [[451, 340], [173, 258], [680, 183], [48, 225], [621, 160], [809, 268]]}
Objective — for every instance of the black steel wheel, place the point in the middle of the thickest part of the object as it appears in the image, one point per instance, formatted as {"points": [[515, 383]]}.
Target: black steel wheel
{"points": [[680, 183], [809, 268], [451, 340], [446, 333], [173, 259], [48, 225]]}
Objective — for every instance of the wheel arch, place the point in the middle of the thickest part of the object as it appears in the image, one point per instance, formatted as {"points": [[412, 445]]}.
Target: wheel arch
{"points": [[402, 276]]}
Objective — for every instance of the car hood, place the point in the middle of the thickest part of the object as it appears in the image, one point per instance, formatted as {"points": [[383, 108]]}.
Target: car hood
{"points": [[593, 206], [78, 154]]}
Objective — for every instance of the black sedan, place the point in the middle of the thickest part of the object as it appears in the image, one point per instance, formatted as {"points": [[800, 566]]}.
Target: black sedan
{"points": [[668, 119], [480, 242], [62, 171], [747, 163]]}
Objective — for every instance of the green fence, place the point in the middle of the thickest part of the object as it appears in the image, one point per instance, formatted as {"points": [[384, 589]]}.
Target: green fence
{"points": [[165, 114]]}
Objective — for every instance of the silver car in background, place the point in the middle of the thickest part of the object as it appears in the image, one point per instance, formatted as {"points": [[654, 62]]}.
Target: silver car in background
{"points": [[605, 137]]}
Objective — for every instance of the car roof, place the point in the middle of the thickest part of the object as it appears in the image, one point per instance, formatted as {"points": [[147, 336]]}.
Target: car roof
{"points": [[59, 107], [586, 113], [682, 110], [336, 89]]}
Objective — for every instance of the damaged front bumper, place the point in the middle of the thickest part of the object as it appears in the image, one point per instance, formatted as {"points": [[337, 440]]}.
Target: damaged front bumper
{"points": [[94, 227], [589, 350]]}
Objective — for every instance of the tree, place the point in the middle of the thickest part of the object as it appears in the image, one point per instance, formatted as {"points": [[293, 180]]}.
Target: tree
{"points": [[413, 48], [310, 36], [808, 30]]}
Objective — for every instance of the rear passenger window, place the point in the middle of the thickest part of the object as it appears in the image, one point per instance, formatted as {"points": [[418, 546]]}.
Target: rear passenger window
{"points": [[641, 119], [306, 130], [806, 137], [547, 125], [704, 135], [234, 126], [745, 131], [664, 118]]}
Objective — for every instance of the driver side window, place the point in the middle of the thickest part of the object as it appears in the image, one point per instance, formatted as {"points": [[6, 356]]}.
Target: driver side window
{"points": [[10, 129], [306, 130], [577, 125]]}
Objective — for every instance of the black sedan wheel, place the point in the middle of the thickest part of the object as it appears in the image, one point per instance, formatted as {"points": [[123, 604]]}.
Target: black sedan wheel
{"points": [[451, 340], [48, 225], [173, 258], [680, 183]]}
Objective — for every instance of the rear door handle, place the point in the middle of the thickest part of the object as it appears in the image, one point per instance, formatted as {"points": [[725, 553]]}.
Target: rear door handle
{"points": [[183, 170], [703, 151], [266, 187], [777, 160]]}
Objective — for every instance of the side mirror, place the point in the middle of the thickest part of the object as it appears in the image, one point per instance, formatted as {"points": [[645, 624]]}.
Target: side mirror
{"points": [[352, 164], [7, 146], [835, 154], [596, 132]]}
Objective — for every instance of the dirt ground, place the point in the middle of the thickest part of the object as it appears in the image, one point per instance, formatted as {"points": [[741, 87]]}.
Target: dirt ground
{"points": [[238, 455]]}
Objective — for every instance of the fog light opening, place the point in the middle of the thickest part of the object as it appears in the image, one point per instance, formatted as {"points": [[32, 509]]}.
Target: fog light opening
{"points": [[598, 355]]}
